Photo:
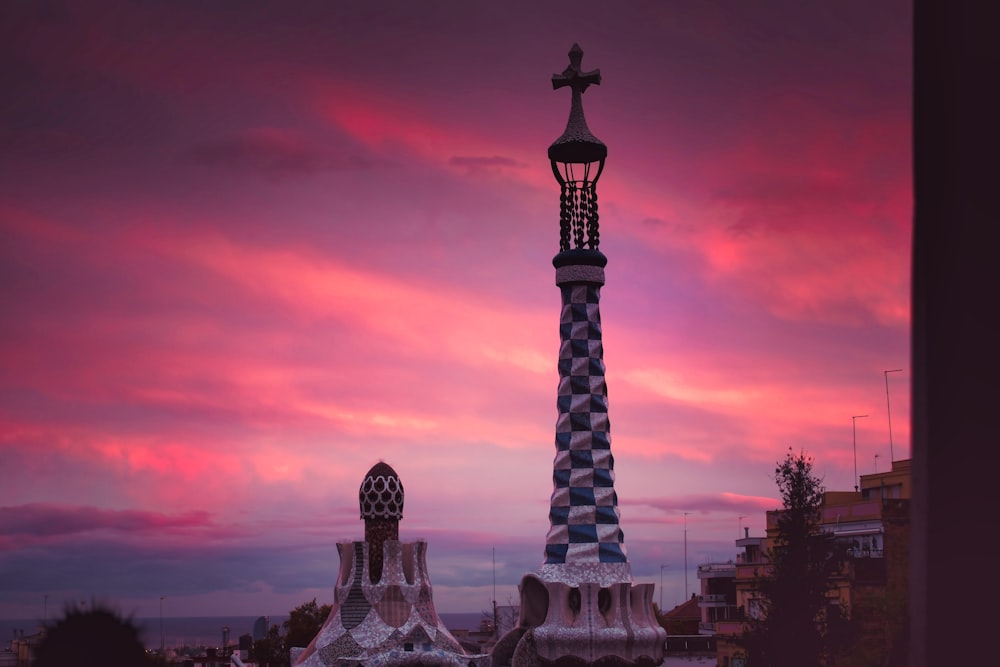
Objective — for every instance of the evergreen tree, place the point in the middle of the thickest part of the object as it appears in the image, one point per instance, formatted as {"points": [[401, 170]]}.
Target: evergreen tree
{"points": [[799, 628], [303, 624], [270, 651], [95, 636]]}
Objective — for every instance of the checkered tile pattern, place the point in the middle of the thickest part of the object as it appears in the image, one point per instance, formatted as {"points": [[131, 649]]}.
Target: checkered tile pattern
{"points": [[584, 507]]}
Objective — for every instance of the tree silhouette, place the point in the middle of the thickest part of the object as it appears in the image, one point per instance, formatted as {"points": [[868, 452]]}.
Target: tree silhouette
{"points": [[303, 624], [99, 635], [800, 627], [270, 651]]}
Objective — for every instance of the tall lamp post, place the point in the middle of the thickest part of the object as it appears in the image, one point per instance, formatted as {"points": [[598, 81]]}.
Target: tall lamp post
{"points": [[661, 587], [162, 597], [739, 526], [686, 556], [888, 412], [854, 424]]}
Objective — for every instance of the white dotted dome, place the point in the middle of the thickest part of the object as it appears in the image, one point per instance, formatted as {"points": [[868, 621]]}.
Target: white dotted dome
{"points": [[381, 493]]}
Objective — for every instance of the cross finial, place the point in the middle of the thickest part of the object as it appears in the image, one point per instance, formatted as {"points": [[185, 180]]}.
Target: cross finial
{"points": [[571, 157], [573, 76], [577, 144]]}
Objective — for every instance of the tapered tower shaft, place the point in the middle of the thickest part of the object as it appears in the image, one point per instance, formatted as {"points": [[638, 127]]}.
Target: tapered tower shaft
{"points": [[583, 515]]}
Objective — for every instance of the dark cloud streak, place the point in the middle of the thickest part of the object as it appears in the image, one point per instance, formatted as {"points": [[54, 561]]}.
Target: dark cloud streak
{"points": [[40, 519], [278, 153]]}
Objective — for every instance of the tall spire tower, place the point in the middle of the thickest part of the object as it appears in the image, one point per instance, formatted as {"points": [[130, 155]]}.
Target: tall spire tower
{"points": [[583, 516], [581, 606]]}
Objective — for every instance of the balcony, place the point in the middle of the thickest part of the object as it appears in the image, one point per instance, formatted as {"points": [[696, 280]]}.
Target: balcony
{"points": [[745, 572], [713, 600], [706, 628], [712, 570], [864, 553], [749, 558]]}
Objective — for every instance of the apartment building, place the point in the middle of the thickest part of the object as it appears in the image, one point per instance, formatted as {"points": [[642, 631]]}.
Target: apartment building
{"points": [[872, 527]]}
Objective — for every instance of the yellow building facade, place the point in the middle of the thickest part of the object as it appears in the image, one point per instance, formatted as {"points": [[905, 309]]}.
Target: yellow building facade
{"points": [[872, 525]]}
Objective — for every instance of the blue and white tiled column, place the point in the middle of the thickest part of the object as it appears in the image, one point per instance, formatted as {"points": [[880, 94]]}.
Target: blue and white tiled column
{"points": [[582, 603], [583, 512]]}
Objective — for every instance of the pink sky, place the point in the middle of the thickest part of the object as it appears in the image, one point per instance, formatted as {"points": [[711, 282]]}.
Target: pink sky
{"points": [[247, 250]]}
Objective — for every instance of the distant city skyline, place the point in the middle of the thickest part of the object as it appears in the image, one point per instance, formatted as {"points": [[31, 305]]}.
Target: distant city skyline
{"points": [[247, 253]]}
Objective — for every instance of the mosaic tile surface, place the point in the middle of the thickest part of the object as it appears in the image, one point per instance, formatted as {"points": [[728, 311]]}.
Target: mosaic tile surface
{"points": [[383, 608], [391, 622], [583, 514]]}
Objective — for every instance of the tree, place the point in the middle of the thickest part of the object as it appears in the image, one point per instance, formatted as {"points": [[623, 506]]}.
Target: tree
{"points": [[270, 651], [99, 635], [799, 626], [303, 624]]}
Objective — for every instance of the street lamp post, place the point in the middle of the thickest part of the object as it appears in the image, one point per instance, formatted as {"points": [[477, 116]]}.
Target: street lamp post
{"points": [[161, 624], [686, 556], [661, 587], [854, 424], [888, 412]]}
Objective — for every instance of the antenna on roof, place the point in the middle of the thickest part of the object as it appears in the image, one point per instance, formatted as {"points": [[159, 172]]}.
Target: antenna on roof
{"points": [[854, 423]]}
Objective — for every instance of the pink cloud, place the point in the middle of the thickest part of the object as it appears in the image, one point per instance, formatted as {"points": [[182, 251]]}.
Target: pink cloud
{"points": [[808, 213], [181, 333], [726, 503]]}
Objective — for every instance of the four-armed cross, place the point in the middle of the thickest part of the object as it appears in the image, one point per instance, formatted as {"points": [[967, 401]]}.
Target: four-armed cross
{"points": [[572, 76], [571, 157]]}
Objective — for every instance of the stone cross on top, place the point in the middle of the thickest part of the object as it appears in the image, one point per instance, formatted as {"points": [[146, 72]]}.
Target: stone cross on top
{"points": [[577, 144], [573, 76]]}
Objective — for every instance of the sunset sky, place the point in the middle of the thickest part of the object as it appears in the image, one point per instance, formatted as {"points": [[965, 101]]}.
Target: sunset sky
{"points": [[249, 249]]}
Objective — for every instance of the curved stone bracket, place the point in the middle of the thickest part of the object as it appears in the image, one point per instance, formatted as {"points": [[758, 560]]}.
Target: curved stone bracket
{"points": [[588, 622]]}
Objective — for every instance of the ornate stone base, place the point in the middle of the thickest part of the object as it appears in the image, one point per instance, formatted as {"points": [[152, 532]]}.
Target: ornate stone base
{"points": [[388, 623], [567, 620]]}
